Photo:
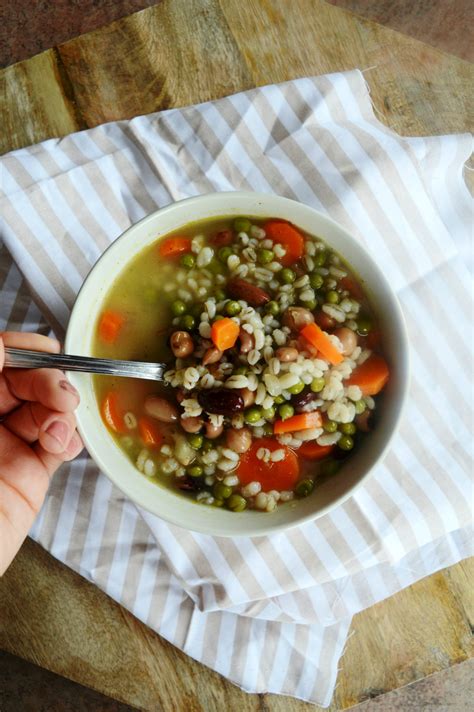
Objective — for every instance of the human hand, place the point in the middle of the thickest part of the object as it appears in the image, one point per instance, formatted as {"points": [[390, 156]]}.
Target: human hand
{"points": [[37, 434]]}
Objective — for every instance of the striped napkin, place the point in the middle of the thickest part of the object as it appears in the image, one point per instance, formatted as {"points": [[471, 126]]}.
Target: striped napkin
{"points": [[271, 614]]}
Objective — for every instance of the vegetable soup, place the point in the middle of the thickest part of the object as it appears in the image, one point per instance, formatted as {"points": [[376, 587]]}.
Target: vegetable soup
{"points": [[274, 362]]}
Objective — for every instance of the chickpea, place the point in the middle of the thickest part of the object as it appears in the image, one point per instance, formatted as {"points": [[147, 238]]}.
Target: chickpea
{"points": [[246, 341], [248, 396], [286, 354], [182, 344], [191, 425], [348, 339], [213, 431], [212, 355], [238, 440], [161, 409], [297, 317]]}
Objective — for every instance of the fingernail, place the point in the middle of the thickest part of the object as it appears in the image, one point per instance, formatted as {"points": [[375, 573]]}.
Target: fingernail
{"points": [[66, 386], [59, 431]]}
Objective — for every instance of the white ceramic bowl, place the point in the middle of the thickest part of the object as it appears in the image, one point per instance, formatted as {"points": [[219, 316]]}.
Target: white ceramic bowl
{"points": [[174, 507]]}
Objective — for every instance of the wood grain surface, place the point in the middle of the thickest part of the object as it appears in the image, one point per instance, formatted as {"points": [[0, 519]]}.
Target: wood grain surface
{"points": [[173, 54]]}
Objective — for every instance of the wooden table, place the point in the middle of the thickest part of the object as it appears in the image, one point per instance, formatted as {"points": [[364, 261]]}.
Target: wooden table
{"points": [[176, 53]]}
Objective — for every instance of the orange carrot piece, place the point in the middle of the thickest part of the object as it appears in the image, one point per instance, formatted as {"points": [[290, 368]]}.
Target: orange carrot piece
{"points": [[298, 422], [224, 333], [112, 412], [289, 237], [281, 475], [320, 340], [173, 246], [110, 325], [312, 451], [371, 376], [150, 432]]}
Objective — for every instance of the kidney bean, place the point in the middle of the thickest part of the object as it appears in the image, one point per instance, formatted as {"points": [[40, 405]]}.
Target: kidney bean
{"points": [[182, 344], [212, 355], [286, 354], [248, 396], [213, 431], [222, 401], [247, 341], [161, 409], [191, 425], [295, 318], [348, 339], [238, 439]]}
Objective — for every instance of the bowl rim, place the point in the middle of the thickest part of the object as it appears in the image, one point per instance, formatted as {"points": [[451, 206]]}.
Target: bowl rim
{"points": [[75, 323]]}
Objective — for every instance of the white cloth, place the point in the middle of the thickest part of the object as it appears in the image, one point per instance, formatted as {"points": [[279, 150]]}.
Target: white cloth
{"points": [[271, 614]]}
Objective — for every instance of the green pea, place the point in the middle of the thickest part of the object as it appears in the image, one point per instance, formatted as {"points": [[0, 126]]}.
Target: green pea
{"points": [[187, 322], [279, 400], [232, 308], [242, 224], [195, 471], [348, 428], [221, 491], [236, 503], [218, 503], [252, 415], [304, 488], [330, 426], [310, 304], [287, 275], [264, 257], [207, 445], [297, 388], [240, 371], [329, 468], [364, 326], [224, 253], [320, 258], [332, 296], [286, 411], [272, 308], [317, 384], [196, 310], [188, 261], [178, 307], [345, 442], [219, 294], [316, 280], [196, 441], [268, 413], [360, 406], [267, 429]]}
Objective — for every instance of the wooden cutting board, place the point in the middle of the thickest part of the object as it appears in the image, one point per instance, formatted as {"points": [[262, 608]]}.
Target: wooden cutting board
{"points": [[177, 53]]}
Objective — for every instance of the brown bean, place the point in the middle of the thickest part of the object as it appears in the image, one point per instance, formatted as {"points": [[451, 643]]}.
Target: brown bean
{"points": [[363, 421], [247, 341], [297, 317], [348, 339], [213, 431], [239, 288], [180, 395], [191, 425], [286, 354], [161, 409], [212, 355], [222, 401], [182, 344], [238, 439], [248, 396]]}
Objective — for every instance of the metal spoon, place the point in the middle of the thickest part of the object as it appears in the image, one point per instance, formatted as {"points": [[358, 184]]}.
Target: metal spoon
{"points": [[22, 358]]}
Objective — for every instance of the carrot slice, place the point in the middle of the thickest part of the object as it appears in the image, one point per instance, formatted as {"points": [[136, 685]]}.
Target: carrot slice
{"points": [[224, 333], [371, 376], [150, 432], [318, 338], [281, 475], [287, 236], [112, 412], [312, 451], [110, 325], [298, 422], [173, 246]]}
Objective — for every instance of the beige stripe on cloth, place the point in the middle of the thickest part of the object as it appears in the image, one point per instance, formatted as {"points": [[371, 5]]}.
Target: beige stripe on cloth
{"points": [[229, 602]]}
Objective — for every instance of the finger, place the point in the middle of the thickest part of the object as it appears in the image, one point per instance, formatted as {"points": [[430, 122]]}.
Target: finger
{"points": [[46, 386], [51, 462], [35, 342], [32, 421]]}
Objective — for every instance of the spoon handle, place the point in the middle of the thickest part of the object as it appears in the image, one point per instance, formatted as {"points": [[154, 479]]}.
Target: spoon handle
{"points": [[22, 358]]}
